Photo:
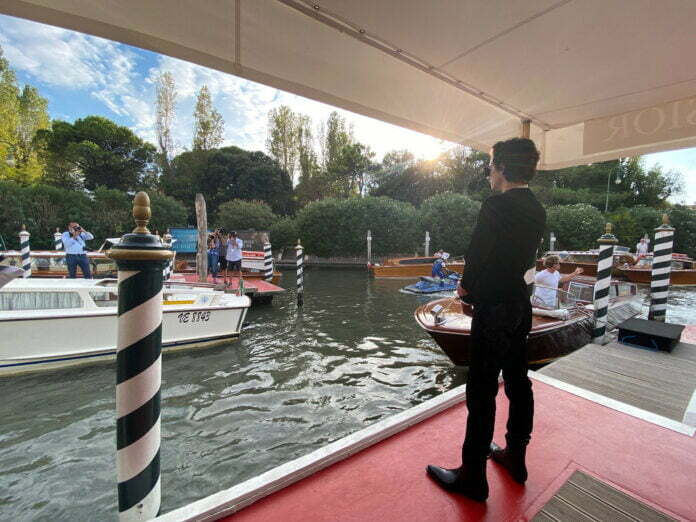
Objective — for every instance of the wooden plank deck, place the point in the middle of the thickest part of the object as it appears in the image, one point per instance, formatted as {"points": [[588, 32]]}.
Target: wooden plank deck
{"points": [[659, 382]]}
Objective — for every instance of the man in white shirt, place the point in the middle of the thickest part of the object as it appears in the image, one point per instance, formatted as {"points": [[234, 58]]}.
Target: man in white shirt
{"points": [[642, 247], [547, 281], [234, 255]]}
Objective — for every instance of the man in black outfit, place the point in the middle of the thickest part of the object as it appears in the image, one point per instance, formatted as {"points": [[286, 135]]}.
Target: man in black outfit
{"points": [[503, 246]]}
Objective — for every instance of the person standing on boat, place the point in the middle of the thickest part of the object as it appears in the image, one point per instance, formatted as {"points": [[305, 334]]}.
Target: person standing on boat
{"points": [[74, 244], [234, 255], [503, 246], [547, 281], [642, 247]]}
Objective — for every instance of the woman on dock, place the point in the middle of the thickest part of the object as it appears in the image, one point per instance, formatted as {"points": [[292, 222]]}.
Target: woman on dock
{"points": [[213, 254]]}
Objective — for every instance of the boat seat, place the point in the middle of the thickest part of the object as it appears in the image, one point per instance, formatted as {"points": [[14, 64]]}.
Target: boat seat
{"points": [[429, 279]]}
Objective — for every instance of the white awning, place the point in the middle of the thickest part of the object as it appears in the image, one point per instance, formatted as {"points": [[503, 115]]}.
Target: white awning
{"points": [[598, 79]]}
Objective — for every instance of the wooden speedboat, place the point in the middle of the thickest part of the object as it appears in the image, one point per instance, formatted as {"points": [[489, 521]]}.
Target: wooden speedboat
{"points": [[683, 271], [410, 267], [51, 263], [587, 260], [50, 323], [555, 332]]}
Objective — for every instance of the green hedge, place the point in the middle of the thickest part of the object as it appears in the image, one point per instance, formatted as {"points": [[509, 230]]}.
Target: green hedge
{"points": [[576, 227], [338, 227], [239, 214], [105, 213], [450, 218]]}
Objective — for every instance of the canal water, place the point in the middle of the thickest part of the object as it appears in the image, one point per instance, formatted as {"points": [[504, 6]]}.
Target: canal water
{"points": [[296, 381]]}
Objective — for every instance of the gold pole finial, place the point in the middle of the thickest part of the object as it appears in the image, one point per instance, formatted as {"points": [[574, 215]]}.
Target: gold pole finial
{"points": [[141, 212], [298, 242], [24, 227], [58, 230], [607, 228], [665, 219]]}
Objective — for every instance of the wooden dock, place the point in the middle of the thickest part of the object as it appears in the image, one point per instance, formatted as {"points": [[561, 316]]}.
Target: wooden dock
{"points": [[661, 383]]}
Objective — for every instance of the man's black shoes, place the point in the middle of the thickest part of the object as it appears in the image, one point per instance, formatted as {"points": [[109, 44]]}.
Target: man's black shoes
{"points": [[511, 458], [469, 480]]}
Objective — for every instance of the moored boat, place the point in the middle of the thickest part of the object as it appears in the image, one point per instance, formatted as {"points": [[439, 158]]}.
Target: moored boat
{"points": [[433, 285], [683, 270], [252, 267], [51, 263], [53, 323], [555, 331], [410, 267], [587, 260]]}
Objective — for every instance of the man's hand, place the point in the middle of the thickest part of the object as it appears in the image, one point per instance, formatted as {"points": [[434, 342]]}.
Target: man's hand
{"points": [[578, 271], [461, 292]]}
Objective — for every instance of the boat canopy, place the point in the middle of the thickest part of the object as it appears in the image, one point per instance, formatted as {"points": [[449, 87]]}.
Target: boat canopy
{"points": [[596, 80]]}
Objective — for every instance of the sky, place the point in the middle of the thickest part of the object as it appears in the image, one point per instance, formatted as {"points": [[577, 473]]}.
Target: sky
{"points": [[82, 75]]}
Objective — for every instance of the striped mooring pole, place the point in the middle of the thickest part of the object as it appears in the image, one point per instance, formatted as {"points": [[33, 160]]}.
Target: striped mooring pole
{"points": [[267, 262], [661, 268], [140, 257], [25, 251], [169, 267], [300, 273], [58, 240], [601, 287]]}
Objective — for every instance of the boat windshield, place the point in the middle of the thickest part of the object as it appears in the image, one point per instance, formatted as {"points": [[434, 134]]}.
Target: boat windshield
{"points": [[556, 298], [39, 300]]}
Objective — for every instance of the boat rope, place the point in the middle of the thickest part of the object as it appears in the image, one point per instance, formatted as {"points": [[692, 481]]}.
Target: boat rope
{"points": [[300, 273], [25, 251], [661, 268], [600, 299], [267, 262]]}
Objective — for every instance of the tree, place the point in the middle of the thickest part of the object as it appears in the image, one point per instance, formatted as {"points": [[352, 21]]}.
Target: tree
{"points": [[283, 140], [165, 112], [208, 125], [9, 113], [97, 152], [245, 215], [576, 227], [466, 169], [683, 219], [412, 182], [333, 136], [284, 233], [395, 158], [450, 218], [307, 157], [228, 173]]}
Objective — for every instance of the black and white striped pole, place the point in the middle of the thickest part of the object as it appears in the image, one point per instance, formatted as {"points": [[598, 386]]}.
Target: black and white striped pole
{"points": [[300, 273], [140, 257], [169, 267], [267, 262], [661, 268], [600, 299], [57, 240], [25, 251]]}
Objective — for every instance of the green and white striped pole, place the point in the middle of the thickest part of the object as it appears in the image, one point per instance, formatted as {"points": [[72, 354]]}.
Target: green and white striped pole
{"points": [[601, 288], [661, 269], [25, 251], [140, 257]]}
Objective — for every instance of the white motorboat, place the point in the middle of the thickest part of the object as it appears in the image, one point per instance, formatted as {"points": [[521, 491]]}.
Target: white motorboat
{"points": [[49, 323]]}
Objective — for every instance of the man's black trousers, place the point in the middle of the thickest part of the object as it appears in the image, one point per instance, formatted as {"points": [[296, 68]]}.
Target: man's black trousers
{"points": [[498, 342]]}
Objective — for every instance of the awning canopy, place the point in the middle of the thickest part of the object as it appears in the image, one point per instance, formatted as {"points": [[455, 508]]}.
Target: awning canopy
{"points": [[597, 79]]}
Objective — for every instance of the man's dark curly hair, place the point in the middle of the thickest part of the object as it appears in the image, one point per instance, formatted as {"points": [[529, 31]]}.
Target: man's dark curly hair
{"points": [[517, 157]]}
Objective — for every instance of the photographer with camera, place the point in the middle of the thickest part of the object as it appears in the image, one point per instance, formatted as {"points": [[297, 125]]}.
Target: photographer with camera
{"points": [[74, 243]]}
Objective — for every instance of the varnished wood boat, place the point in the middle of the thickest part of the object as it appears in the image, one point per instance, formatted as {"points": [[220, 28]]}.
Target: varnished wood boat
{"points": [[587, 260], [448, 321], [683, 271], [51, 263], [410, 267], [252, 266]]}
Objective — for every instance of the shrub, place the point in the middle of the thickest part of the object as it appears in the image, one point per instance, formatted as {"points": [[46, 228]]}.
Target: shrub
{"points": [[338, 227], [239, 214], [284, 233], [576, 227], [450, 218], [683, 219]]}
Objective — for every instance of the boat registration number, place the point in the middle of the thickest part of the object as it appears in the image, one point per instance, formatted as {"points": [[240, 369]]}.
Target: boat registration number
{"points": [[193, 317]]}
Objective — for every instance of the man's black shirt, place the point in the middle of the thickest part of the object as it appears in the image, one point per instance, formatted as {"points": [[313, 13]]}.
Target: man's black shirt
{"points": [[503, 247]]}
